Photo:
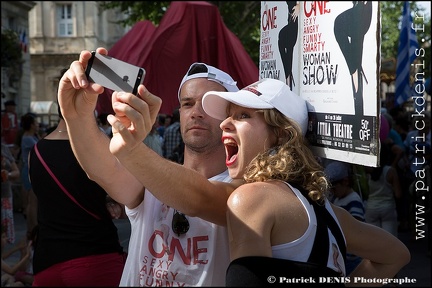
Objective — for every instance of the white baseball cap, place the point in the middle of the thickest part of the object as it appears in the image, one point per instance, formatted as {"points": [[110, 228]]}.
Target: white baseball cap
{"points": [[202, 70], [264, 94]]}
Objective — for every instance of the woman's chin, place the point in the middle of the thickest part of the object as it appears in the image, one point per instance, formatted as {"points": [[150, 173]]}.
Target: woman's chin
{"points": [[235, 173]]}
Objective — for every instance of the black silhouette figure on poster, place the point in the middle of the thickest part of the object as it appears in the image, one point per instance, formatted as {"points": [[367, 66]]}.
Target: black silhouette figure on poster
{"points": [[350, 28], [287, 40]]}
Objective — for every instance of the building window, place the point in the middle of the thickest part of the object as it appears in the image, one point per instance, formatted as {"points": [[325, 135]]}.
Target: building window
{"points": [[12, 24], [64, 20]]}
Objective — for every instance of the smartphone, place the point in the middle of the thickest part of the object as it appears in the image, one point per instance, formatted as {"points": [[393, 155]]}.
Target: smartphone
{"points": [[114, 74]]}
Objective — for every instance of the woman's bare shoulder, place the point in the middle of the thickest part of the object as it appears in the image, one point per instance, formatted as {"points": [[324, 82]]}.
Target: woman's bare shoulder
{"points": [[251, 195]]}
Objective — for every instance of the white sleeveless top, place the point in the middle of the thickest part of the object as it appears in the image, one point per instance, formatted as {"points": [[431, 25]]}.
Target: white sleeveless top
{"points": [[300, 249]]}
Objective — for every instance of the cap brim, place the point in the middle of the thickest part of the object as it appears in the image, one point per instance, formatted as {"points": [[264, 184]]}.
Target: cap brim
{"points": [[215, 103]]}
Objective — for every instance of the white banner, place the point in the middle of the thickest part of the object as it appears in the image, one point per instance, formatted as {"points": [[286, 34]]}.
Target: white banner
{"points": [[328, 52]]}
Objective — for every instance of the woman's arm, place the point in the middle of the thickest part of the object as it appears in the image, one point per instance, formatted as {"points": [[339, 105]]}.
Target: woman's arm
{"points": [[14, 173], [20, 265], [178, 186], [383, 254], [7, 254]]}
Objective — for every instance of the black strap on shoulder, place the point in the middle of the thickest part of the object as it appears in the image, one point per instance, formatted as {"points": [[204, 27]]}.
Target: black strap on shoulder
{"points": [[320, 249], [336, 231], [325, 221]]}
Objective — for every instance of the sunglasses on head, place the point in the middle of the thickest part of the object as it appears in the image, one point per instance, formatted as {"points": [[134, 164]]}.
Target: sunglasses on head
{"points": [[179, 224], [197, 68]]}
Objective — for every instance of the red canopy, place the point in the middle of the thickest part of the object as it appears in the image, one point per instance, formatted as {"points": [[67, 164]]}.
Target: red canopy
{"points": [[189, 32], [126, 48]]}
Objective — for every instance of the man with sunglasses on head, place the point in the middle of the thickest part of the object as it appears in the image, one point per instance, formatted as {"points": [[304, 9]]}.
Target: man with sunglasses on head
{"points": [[178, 237]]}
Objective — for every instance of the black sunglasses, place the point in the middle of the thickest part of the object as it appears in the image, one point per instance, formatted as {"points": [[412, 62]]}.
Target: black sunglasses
{"points": [[180, 224]]}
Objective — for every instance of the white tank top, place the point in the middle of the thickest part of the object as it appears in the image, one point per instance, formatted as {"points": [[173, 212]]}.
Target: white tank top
{"points": [[300, 249]]}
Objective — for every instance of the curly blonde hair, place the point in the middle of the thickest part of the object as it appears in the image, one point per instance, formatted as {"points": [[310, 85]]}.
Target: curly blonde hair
{"points": [[290, 160]]}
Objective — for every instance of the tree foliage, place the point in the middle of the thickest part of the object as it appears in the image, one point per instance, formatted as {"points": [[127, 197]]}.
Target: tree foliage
{"points": [[135, 11], [11, 53], [243, 19], [391, 15]]}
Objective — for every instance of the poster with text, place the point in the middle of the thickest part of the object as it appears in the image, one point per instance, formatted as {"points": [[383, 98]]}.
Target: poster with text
{"points": [[328, 52]]}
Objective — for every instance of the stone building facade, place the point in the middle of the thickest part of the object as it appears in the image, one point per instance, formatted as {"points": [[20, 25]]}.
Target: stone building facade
{"points": [[14, 17], [57, 32]]}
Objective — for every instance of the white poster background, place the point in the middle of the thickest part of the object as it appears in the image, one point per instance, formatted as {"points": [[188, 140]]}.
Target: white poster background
{"points": [[334, 100]]}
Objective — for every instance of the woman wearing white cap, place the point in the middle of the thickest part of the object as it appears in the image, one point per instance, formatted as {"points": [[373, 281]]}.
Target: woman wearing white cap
{"points": [[280, 211], [275, 218]]}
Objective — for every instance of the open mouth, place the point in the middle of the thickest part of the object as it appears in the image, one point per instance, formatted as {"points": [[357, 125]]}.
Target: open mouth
{"points": [[231, 150]]}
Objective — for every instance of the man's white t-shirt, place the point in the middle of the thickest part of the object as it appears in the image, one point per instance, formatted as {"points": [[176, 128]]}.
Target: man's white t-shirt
{"points": [[158, 257]]}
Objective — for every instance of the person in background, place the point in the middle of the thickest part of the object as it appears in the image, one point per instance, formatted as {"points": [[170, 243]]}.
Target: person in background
{"points": [[9, 124], [343, 195], [384, 190], [9, 173], [9, 270], [172, 137], [29, 138], [395, 143], [104, 125], [167, 121], [170, 224], [25, 273], [77, 243], [161, 125], [401, 121], [154, 141], [339, 174], [398, 159]]}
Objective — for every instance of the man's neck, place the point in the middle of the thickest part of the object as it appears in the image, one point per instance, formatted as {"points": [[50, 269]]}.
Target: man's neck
{"points": [[208, 165]]}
